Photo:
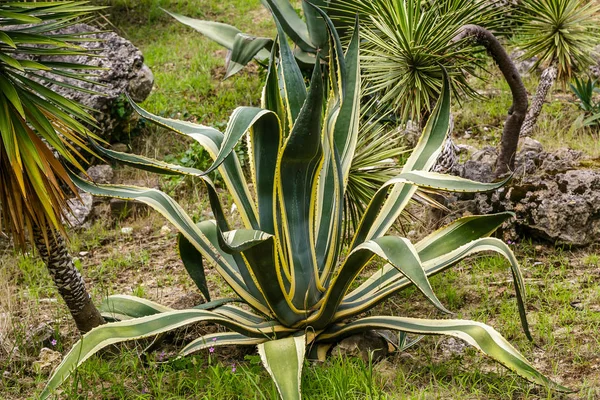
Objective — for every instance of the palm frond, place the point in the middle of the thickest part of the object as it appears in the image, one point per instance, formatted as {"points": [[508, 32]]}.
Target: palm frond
{"points": [[34, 186]]}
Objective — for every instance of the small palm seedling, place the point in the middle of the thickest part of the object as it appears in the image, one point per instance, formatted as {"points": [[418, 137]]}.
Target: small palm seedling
{"points": [[562, 34], [291, 266], [34, 185]]}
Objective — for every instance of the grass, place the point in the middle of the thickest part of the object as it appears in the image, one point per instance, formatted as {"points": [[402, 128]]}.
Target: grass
{"points": [[562, 285]]}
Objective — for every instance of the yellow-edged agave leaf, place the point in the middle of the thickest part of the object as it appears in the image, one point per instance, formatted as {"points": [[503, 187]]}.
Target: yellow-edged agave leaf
{"points": [[220, 339], [139, 328], [483, 337], [291, 81], [230, 169], [225, 35], [283, 359], [178, 217], [385, 283], [297, 173], [120, 307], [388, 203], [245, 48]]}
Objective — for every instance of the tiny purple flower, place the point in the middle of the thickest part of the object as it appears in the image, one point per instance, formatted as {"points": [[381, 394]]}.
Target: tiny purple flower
{"points": [[211, 349], [53, 342], [233, 368], [161, 356], [214, 339]]}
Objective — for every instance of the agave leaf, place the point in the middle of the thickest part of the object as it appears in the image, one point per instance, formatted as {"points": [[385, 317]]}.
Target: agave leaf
{"points": [[139, 328], [291, 81], [483, 337], [399, 252], [178, 217], [317, 30], [223, 34], [297, 174], [230, 169], [450, 183], [219, 339], [388, 202], [387, 282], [245, 48], [241, 121], [260, 254], [290, 22], [192, 261], [120, 307], [283, 359]]}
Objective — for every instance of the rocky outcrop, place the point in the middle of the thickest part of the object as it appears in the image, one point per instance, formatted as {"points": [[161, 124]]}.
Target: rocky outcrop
{"points": [[554, 196], [121, 71]]}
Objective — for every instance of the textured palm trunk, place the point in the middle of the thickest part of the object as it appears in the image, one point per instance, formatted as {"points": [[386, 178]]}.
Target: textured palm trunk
{"points": [[546, 81], [518, 109], [67, 279]]}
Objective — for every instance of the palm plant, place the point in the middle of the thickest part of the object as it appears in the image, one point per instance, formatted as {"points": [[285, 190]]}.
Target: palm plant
{"points": [[562, 34], [291, 266], [406, 41], [34, 185]]}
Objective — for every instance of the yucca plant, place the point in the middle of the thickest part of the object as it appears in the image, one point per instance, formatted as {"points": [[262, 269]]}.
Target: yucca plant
{"points": [[406, 41], [34, 122], [290, 266], [562, 35]]}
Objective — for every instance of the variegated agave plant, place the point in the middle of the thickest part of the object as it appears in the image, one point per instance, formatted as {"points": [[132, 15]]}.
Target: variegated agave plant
{"points": [[290, 265]]}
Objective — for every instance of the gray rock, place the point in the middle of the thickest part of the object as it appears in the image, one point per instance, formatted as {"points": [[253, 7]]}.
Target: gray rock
{"points": [[120, 147], [361, 345], [47, 361], [123, 71], [595, 69], [101, 173], [553, 197], [524, 66], [38, 337], [79, 210], [529, 144]]}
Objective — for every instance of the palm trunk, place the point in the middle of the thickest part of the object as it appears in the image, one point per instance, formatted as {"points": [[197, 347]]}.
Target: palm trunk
{"points": [[518, 110], [546, 81], [67, 279]]}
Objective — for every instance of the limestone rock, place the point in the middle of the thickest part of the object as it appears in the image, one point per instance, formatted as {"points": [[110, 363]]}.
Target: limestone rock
{"points": [[361, 345], [524, 66], [101, 173], [47, 360], [123, 72], [554, 198], [79, 210]]}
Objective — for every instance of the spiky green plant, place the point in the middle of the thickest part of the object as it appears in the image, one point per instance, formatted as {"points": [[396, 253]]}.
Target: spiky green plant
{"points": [[31, 178], [291, 266], [559, 32], [562, 35], [406, 42]]}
